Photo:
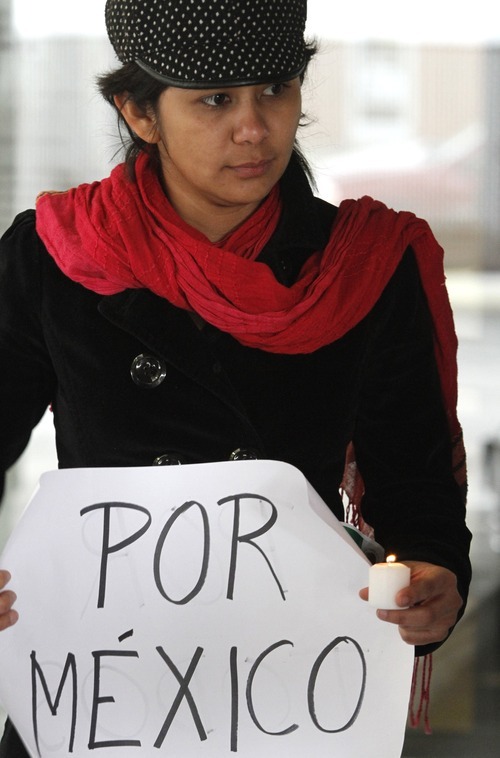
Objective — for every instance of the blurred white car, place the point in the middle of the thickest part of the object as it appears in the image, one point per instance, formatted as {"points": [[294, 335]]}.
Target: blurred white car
{"points": [[440, 183]]}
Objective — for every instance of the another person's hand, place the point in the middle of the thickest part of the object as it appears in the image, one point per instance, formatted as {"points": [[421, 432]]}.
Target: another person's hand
{"points": [[433, 601], [8, 616]]}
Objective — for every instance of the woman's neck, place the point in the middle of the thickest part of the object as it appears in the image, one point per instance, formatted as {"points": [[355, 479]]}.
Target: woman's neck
{"points": [[213, 219], [214, 224]]}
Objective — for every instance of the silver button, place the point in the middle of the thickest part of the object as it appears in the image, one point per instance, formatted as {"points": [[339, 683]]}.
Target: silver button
{"points": [[147, 371], [244, 454], [168, 459]]}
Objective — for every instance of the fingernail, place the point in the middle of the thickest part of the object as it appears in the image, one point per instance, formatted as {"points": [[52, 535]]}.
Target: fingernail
{"points": [[382, 614]]}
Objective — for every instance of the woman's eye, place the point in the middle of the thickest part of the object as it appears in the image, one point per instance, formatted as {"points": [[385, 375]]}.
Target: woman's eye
{"points": [[216, 100], [275, 89]]}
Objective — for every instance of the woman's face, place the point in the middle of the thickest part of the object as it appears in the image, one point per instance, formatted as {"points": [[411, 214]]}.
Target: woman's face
{"points": [[223, 150]]}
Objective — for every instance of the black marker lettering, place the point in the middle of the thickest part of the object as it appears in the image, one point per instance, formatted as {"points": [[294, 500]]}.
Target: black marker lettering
{"points": [[248, 538], [233, 661], [98, 699], [107, 549], [312, 684], [251, 677], [70, 665], [126, 635], [184, 692], [206, 551]]}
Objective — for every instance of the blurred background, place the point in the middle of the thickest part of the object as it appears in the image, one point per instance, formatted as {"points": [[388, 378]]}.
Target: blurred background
{"points": [[403, 104]]}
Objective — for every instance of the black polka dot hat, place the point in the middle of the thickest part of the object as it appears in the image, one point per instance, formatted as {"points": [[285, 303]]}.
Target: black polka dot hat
{"points": [[210, 43]]}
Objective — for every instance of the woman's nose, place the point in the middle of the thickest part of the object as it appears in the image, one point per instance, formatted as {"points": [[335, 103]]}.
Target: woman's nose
{"points": [[250, 125]]}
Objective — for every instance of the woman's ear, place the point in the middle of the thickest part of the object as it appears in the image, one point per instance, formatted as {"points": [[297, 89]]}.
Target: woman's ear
{"points": [[141, 121]]}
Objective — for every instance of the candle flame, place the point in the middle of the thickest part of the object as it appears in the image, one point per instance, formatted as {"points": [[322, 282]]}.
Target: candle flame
{"points": [[391, 559]]}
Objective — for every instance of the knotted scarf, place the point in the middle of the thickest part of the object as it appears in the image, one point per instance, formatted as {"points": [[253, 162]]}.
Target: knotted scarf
{"points": [[118, 234]]}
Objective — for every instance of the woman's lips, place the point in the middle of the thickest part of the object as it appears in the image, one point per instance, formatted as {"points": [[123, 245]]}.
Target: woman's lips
{"points": [[252, 170]]}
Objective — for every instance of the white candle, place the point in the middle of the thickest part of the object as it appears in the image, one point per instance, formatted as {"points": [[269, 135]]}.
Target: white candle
{"points": [[385, 581]]}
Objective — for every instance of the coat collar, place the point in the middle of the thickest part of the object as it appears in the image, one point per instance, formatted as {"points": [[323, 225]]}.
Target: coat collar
{"points": [[304, 226]]}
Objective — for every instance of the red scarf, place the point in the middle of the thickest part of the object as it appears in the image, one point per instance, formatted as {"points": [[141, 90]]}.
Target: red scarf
{"points": [[118, 234]]}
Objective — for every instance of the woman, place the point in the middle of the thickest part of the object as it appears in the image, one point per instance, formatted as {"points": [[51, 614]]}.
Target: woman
{"points": [[201, 305]]}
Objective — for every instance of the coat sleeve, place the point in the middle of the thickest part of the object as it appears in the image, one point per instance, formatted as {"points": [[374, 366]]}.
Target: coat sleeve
{"points": [[402, 440], [26, 376]]}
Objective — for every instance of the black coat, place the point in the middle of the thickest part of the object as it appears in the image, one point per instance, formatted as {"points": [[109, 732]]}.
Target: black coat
{"points": [[198, 395], [134, 380]]}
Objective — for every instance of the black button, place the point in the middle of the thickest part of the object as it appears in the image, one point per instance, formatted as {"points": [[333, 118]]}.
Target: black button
{"points": [[244, 454], [283, 264], [147, 371], [168, 459]]}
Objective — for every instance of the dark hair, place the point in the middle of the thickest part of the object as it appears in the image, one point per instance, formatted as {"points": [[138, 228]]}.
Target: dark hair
{"points": [[145, 91]]}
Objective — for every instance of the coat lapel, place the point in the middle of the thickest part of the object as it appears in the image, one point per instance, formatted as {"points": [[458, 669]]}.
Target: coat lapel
{"points": [[170, 333]]}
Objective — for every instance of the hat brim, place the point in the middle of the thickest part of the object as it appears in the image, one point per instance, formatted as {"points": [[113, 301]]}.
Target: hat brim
{"points": [[215, 84]]}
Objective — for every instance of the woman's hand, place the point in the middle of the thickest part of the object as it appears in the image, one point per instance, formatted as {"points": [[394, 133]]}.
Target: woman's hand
{"points": [[433, 601], [8, 616]]}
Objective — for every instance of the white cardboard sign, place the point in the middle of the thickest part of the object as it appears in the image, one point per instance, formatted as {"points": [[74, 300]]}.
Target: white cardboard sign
{"points": [[203, 610]]}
